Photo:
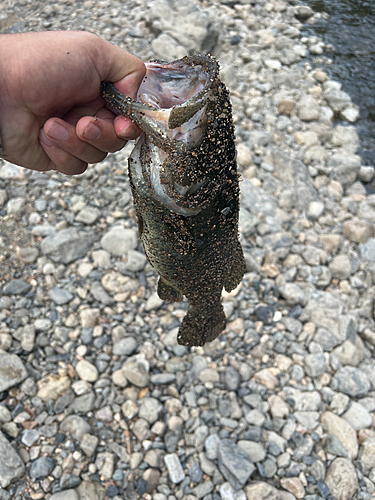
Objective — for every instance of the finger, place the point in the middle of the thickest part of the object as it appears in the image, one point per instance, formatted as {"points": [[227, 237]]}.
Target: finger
{"points": [[63, 135], [59, 159], [126, 129], [99, 132]]}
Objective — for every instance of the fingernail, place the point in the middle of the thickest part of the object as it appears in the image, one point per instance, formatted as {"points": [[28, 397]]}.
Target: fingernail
{"points": [[43, 138], [58, 132], [92, 132]]}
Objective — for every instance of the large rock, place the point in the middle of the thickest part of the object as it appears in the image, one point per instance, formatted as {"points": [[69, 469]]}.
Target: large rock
{"points": [[68, 245], [12, 370], [234, 464], [11, 465]]}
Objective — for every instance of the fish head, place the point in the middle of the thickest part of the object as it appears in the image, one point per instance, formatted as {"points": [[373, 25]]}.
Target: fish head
{"points": [[178, 107]]}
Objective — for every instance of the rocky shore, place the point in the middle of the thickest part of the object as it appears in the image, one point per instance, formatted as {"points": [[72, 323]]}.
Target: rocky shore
{"points": [[97, 400]]}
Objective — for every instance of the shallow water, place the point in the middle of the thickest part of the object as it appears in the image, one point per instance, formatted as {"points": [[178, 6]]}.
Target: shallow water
{"points": [[351, 30]]}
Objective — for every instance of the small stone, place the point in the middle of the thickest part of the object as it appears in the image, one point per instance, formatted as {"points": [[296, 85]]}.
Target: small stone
{"points": [[105, 462], [211, 445], [351, 381], [365, 174], [175, 470], [330, 242], [69, 481], [153, 302], [209, 375], [286, 106], [15, 206], [16, 287], [27, 254], [88, 444], [368, 453], [267, 378], [89, 317], [255, 451], [66, 495], [88, 215], [137, 372], [150, 409], [195, 472], [308, 109], [342, 430], [151, 476], [340, 267], [60, 296], [351, 113], [87, 371], [315, 365], [358, 417], [357, 230], [11, 465], [278, 407], [293, 485], [163, 378], [367, 250], [125, 346], [136, 261], [41, 468], [315, 209], [30, 437], [234, 464], [119, 240], [293, 294], [76, 426], [342, 479], [12, 370]]}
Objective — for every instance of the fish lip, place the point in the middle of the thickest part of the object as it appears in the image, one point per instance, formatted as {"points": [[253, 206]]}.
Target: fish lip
{"points": [[178, 114]]}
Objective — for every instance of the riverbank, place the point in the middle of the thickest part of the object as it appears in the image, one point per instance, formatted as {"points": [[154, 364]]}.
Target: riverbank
{"points": [[100, 401]]}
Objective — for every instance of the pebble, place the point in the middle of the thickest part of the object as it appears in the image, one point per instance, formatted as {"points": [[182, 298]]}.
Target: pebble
{"points": [[342, 430], [234, 464], [12, 372], [351, 381], [13, 467], [60, 296], [41, 468], [65, 495], [87, 371], [125, 346], [118, 241], [175, 470], [342, 479]]}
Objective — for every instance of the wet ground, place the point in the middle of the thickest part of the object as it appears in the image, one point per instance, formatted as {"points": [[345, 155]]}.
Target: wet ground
{"points": [[351, 30]]}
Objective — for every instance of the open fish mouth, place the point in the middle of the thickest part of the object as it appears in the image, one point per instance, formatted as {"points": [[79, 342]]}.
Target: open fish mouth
{"points": [[172, 108]]}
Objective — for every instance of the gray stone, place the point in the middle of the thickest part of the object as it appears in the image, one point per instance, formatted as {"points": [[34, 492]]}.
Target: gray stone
{"points": [[342, 430], [175, 470], [41, 468], [203, 489], [315, 364], [16, 287], [293, 294], [137, 372], [60, 296], [67, 245], [255, 451], [76, 426], [358, 231], [100, 294], [231, 378], [125, 346], [90, 490], [345, 168], [11, 465], [66, 495], [367, 250], [342, 479], [30, 437], [12, 370], [15, 206], [340, 267], [118, 241], [163, 379], [351, 381], [211, 445], [358, 417], [88, 215], [337, 99], [234, 464], [150, 409], [315, 209], [136, 261]]}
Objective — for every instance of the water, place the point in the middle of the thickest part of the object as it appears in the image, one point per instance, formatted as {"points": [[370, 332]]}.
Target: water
{"points": [[351, 30]]}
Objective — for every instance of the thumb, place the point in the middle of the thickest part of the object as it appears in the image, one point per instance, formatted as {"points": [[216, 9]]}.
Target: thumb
{"points": [[123, 69]]}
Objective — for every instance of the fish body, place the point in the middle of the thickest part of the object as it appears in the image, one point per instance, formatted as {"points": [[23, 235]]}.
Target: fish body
{"points": [[185, 187]]}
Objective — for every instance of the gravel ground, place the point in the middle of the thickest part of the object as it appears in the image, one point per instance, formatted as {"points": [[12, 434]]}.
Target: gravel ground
{"points": [[97, 400]]}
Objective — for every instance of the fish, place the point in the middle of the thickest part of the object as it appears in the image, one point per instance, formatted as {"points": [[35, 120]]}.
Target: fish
{"points": [[185, 187]]}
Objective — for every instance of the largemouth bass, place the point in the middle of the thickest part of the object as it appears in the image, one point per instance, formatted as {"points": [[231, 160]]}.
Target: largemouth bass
{"points": [[184, 181]]}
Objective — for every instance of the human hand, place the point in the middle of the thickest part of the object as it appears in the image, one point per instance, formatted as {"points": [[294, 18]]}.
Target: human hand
{"points": [[52, 116]]}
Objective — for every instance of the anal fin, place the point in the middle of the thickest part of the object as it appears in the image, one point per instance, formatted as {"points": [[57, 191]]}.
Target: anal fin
{"points": [[167, 292]]}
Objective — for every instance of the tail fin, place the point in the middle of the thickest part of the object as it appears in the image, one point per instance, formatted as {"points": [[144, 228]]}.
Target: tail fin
{"points": [[201, 326]]}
